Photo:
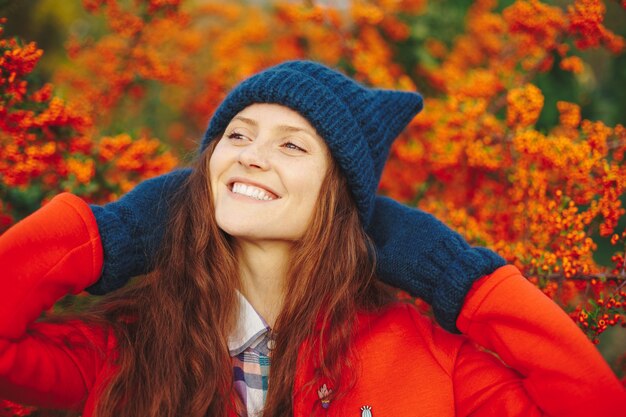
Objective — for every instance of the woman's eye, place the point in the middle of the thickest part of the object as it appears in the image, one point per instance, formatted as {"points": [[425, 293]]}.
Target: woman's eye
{"points": [[293, 146], [236, 136]]}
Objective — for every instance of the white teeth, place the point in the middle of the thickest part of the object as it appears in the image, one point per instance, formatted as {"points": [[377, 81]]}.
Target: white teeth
{"points": [[251, 191]]}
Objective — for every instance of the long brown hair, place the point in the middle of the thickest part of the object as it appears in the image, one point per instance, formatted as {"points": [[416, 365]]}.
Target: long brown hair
{"points": [[172, 325]]}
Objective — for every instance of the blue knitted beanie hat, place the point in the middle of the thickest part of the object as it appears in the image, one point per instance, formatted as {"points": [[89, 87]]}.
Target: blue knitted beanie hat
{"points": [[358, 123]]}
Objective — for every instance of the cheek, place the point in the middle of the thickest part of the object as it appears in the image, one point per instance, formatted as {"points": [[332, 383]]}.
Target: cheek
{"points": [[310, 184], [317, 176], [217, 163]]}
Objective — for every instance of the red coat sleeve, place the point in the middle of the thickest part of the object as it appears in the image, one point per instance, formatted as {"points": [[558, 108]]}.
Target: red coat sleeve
{"points": [[54, 365], [53, 252], [552, 369]]}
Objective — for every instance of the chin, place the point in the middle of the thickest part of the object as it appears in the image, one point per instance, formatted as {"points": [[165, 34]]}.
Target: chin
{"points": [[238, 229], [256, 233]]}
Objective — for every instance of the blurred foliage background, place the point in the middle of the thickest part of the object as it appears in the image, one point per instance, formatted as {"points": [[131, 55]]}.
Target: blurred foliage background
{"points": [[520, 147], [601, 92]]}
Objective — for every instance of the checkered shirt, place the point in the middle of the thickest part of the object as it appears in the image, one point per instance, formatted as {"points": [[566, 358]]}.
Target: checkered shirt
{"points": [[249, 347]]}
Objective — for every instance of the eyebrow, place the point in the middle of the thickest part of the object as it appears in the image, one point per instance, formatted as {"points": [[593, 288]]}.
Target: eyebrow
{"points": [[285, 128]]}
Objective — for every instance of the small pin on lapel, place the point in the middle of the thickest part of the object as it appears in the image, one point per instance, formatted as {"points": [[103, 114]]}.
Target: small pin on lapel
{"points": [[366, 411], [323, 393]]}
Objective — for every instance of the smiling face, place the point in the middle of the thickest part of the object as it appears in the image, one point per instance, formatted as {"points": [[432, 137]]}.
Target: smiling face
{"points": [[266, 174]]}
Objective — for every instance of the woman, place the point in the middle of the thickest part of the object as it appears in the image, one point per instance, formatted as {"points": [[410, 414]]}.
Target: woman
{"points": [[263, 297]]}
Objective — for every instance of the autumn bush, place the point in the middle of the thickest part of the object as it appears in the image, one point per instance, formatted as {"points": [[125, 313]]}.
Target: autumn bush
{"points": [[134, 95]]}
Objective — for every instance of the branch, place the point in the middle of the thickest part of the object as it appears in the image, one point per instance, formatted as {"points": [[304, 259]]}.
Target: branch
{"points": [[588, 277]]}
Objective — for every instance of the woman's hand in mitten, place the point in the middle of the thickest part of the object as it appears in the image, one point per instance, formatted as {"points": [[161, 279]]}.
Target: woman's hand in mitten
{"points": [[132, 228], [419, 254]]}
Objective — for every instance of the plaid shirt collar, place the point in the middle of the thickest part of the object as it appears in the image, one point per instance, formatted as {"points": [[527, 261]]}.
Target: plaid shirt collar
{"points": [[250, 327]]}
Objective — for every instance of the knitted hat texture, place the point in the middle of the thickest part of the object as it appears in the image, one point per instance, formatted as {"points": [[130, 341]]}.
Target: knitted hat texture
{"points": [[358, 123]]}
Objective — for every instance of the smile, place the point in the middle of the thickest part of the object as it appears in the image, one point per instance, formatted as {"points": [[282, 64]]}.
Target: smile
{"points": [[252, 191]]}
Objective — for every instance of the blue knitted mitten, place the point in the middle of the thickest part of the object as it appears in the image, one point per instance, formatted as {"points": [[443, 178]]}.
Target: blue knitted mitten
{"points": [[419, 254], [132, 228]]}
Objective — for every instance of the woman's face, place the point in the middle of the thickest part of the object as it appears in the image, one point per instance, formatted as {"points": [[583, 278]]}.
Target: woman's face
{"points": [[266, 174]]}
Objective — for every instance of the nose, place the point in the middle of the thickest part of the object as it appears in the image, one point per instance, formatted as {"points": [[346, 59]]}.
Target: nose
{"points": [[254, 155]]}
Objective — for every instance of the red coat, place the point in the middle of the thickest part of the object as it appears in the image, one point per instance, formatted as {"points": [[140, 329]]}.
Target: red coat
{"points": [[407, 365]]}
